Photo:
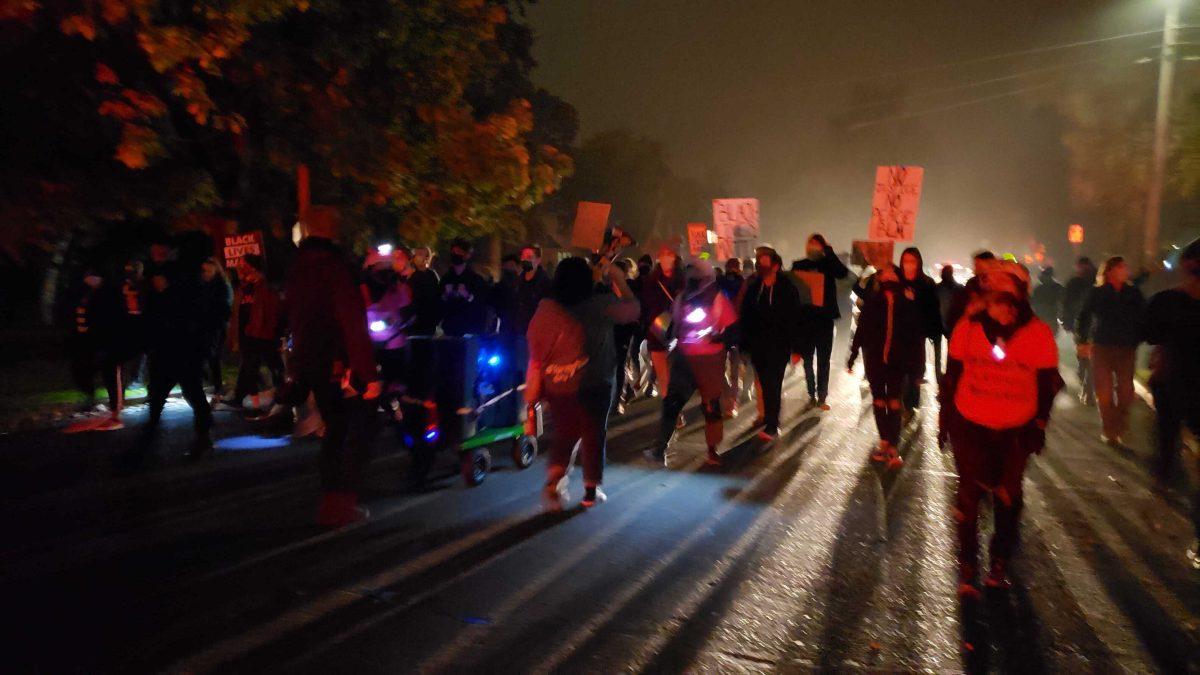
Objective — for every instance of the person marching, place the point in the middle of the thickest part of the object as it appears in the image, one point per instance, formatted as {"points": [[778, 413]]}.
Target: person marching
{"points": [[699, 317], [572, 365], [821, 258], [772, 331], [1001, 379], [1074, 294], [924, 291], [1108, 328], [891, 335], [464, 294], [220, 294], [92, 346], [1172, 325], [658, 293], [255, 333]]}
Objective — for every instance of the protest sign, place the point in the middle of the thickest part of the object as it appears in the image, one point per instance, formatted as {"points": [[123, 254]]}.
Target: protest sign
{"points": [[897, 198], [591, 220], [736, 221], [697, 234], [874, 253], [238, 246]]}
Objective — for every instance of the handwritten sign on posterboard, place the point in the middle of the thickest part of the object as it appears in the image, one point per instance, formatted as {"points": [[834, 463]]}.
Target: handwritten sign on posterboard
{"points": [[697, 234], [897, 199], [734, 220], [877, 254], [591, 220], [238, 246], [815, 281]]}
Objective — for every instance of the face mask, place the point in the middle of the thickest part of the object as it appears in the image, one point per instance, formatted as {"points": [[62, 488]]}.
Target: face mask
{"points": [[527, 265], [457, 259], [643, 270]]}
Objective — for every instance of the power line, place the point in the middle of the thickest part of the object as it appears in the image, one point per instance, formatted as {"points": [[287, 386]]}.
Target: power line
{"points": [[995, 80], [962, 104], [994, 57]]}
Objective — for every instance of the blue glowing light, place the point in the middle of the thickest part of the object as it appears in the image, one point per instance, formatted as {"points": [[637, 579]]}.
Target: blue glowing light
{"points": [[251, 443], [432, 434], [494, 360]]}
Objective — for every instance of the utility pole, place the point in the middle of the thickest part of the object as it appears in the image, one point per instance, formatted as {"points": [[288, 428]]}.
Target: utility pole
{"points": [[1166, 74]]}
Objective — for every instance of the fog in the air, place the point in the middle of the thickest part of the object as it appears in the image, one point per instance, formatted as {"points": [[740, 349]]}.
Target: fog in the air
{"points": [[796, 102]]}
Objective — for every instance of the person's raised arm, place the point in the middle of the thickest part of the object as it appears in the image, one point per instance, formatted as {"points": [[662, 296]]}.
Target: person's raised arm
{"points": [[834, 264], [626, 309]]}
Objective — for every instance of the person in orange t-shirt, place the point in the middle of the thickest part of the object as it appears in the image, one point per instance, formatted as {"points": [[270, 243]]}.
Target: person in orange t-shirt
{"points": [[1001, 380]]}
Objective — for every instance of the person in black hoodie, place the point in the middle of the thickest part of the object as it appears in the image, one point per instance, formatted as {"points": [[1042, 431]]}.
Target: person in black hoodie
{"points": [[891, 335], [464, 294], [821, 258], [658, 292], [912, 269], [1047, 299], [1074, 294], [333, 358], [533, 284], [182, 322], [1109, 327], [772, 330]]}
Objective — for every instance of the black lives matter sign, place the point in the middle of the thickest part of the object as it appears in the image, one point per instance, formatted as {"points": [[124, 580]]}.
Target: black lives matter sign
{"points": [[238, 246]]}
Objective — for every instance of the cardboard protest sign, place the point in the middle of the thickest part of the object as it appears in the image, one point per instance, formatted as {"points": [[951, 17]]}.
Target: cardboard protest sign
{"points": [[591, 220], [816, 286], [897, 198], [697, 234], [735, 220], [238, 246], [874, 253]]}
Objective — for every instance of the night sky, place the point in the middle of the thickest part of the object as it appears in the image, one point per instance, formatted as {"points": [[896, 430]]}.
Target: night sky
{"points": [[763, 96]]}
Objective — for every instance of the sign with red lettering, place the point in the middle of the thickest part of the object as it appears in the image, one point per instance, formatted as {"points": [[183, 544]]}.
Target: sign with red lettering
{"points": [[238, 246], [736, 221], [897, 198], [697, 234], [591, 220]]}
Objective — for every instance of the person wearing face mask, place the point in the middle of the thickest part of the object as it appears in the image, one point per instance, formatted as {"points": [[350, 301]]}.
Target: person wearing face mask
{"points": [[891, 335], [1001, 380], [821, 258], [426, 287], [464, 294], [700, 316], [1109, 328], [1172, 325], [533, 284], [658, 294], [924, 291], [772, 331]]}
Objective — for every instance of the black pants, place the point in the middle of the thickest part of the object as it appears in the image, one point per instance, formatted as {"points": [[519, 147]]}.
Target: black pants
{"points": [[214, 365], [988, 460], [257, 353], [887, 382], [86, 359], [819, 350], [912, 383], [1174, 412], [348, 426], [770, 366], [583, 419], [186, 370]]}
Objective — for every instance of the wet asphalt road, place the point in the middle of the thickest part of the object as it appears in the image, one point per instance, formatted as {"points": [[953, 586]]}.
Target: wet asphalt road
{"points": [[794, 557]]}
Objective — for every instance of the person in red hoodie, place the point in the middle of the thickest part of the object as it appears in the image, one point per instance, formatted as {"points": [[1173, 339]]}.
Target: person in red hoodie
{"points": [[572, 368], [332, 357], [255, 333], [1001, 380]]}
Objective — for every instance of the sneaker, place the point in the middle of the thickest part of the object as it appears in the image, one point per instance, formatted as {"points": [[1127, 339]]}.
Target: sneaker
{"points": [[823, 405], [593, 496], [554, 494], [767, 435], [713, 459], [880, 454], [113, 423], [85, 424], [894, 460], [998, 576], [620, 407], [339, 509]]}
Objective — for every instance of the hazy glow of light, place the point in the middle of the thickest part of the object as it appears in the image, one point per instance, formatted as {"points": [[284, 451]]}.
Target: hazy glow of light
{"points": [[250, 443], [384, 249], [378, 326], [998, 352], [696, 315]]}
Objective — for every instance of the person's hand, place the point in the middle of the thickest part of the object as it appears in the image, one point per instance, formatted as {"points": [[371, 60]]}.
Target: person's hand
{"points": [[374, 391], [850, 365], [797, 359]]}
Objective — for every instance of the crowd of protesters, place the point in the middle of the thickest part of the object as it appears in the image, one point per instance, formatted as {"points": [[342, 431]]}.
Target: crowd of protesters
{"points": [[598, 332]]}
